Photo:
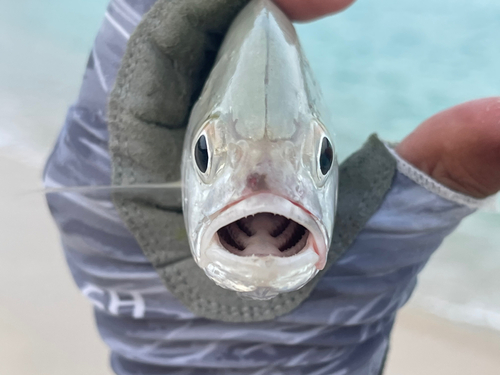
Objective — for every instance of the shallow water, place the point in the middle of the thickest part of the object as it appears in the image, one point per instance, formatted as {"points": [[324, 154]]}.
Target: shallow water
{"points": [[384, 67]]}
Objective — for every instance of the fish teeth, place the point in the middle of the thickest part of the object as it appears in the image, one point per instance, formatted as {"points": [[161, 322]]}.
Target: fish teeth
{"points": [[228, 240], [243, 226], [297, 246], [238, 236], [286, 234], [291, 236], [268, 229], [281, 226]]}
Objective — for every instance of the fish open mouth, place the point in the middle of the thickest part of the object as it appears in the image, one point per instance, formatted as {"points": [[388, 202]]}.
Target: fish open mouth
{"points": [[264, 234], [265, 226]]}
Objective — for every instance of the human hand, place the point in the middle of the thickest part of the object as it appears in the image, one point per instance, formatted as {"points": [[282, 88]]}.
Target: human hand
{"points": [[459, 147]]}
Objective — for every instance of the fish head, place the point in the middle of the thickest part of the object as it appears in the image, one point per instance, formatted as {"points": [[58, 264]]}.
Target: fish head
{"points": [[260, 172]]}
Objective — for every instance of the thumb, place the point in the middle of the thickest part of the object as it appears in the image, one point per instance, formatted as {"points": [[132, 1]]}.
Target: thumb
{"points": [[460, 147], [304, 10]]}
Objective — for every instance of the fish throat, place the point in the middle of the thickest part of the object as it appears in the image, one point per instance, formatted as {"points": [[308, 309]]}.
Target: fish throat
{"points": [[263, 234]]}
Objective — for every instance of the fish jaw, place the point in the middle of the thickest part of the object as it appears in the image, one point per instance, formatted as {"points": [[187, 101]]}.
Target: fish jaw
{"points": [[262, 276]]}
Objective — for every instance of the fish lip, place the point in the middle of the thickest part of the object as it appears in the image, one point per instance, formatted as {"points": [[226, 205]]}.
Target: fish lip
{"points": [[270, 203]]}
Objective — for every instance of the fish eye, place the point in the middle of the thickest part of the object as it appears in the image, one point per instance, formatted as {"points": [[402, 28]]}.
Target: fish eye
{"points": [[326, 156], [201, 155]]}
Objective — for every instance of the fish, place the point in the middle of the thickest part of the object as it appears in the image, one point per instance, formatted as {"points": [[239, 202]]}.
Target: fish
{"points": [[259, 165]]}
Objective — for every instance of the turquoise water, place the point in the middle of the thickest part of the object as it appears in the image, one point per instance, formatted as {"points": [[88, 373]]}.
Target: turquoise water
{"points": [[384, 67], [44, 47]]}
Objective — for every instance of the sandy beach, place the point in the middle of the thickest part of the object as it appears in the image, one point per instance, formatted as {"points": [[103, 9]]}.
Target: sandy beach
{"points": [[46, 326], [425, 344]]}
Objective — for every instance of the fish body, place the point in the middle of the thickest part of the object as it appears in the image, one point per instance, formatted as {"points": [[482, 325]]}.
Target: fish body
{"points": [[259, 170]]}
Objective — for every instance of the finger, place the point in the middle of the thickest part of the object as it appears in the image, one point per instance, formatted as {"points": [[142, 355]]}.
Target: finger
{"points": [[304, 10], [460, 147], [166, 56]]}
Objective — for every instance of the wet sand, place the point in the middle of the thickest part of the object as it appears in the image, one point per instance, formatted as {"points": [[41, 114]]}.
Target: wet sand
{"points": [[424, 344], [46, 326]]}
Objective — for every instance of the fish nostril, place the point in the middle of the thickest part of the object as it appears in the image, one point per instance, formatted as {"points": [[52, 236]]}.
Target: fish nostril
{"points": [[290, 154], [235, 152], [257, 181]]}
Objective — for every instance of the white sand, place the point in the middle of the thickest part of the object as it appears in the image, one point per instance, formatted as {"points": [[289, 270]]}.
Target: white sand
{"points": [[46, 326]]}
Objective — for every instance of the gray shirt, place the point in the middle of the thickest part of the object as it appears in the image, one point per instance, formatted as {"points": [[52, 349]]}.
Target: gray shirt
{"points": [[342, 328]]}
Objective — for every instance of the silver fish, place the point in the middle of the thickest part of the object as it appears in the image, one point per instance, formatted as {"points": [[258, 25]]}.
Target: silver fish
{"points": [[259, 170]]}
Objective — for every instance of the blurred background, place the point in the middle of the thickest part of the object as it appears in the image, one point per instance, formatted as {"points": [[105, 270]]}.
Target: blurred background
{"points": [[384, 66]]}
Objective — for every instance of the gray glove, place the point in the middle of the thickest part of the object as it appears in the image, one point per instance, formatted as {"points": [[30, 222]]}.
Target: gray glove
{"points": [[163, 71]]}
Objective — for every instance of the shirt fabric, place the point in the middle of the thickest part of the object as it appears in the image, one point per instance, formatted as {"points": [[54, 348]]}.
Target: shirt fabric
{"points": [[342, 328]]}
